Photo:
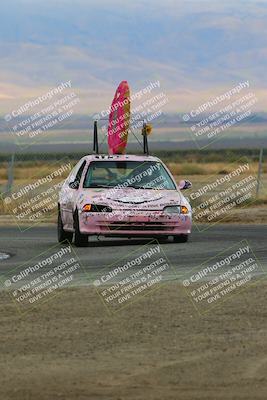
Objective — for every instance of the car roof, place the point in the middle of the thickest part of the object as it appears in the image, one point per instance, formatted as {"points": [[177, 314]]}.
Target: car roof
{"points": [[120, 157]]}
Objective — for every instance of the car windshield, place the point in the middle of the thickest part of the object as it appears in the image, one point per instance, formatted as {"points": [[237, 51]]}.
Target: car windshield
{"points": [[134, 174]]}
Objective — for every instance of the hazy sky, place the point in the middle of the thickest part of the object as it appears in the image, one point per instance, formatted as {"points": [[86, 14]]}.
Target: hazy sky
{"points": [[196, 49]]}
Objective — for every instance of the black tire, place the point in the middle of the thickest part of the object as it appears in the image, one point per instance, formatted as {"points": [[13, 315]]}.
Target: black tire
{"points": [[180, 238], [61, 234], [163, 239], [80, 240]]}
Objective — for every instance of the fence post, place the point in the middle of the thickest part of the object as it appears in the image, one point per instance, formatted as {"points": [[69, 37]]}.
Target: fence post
{"points": [[10, 174], [259, 173]]}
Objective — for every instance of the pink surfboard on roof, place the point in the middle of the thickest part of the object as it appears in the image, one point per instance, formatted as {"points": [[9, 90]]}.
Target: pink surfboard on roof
{"points": [[119, 120]]}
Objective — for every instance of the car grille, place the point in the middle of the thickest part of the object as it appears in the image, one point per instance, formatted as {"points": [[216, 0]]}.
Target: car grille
{"points": [[145, 226]]}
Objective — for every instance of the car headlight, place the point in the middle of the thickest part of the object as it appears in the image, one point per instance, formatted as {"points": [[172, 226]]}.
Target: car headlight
{"points": [[176, 210], [96, 208], [184, 210]]}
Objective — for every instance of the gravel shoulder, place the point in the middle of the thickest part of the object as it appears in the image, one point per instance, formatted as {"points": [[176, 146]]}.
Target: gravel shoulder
{"points": [[157, 348]]}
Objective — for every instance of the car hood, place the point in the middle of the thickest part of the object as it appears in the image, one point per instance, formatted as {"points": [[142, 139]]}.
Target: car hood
{"points": [[132, 198]]}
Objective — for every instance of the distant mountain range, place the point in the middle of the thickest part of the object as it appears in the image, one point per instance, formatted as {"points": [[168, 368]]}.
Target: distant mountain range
{"points": [[196, 49], [164, 121]]}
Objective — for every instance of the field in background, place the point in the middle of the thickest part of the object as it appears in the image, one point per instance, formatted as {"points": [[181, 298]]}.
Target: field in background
{"points": [[196, 166]]}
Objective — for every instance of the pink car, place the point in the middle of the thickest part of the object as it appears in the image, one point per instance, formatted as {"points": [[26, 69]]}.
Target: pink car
{"points": [[122, 195]]}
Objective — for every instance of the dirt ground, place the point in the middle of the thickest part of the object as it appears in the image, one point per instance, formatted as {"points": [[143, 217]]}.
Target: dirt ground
{"points": [[251, 215], [156, 348]]}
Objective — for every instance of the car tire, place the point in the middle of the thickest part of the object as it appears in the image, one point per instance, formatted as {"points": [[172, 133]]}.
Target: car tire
{"points": [[163, 239], [80, 240], [180, 238], [61, 234]]}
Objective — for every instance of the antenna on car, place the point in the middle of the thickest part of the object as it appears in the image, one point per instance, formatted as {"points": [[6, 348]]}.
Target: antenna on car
{"points": [[95, 149], [145, 131]]}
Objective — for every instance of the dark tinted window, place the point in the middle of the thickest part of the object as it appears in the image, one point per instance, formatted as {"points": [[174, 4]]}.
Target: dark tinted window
{"points": [[137, 174], [79, 173]]}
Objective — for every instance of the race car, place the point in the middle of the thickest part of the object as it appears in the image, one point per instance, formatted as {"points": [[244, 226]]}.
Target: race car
{"points": [[122, 195]]}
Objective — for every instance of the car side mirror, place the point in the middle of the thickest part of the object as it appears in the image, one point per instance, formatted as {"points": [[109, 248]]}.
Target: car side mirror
{"points": [[74, 185], [183, 185]]}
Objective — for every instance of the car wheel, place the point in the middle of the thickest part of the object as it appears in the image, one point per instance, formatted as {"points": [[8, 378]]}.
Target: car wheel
{"points": [[80, 240], [61, 234], [180, 238], [163, 239]]}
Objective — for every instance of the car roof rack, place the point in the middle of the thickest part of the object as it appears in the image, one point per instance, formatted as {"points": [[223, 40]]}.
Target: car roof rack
{"points": [[144, 134]]}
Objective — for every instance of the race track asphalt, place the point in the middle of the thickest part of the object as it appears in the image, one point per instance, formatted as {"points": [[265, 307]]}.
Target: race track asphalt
{"points": [[23, 246]]}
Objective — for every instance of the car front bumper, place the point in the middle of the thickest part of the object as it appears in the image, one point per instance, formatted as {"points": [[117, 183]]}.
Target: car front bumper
{"points": [[134, 224]]}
